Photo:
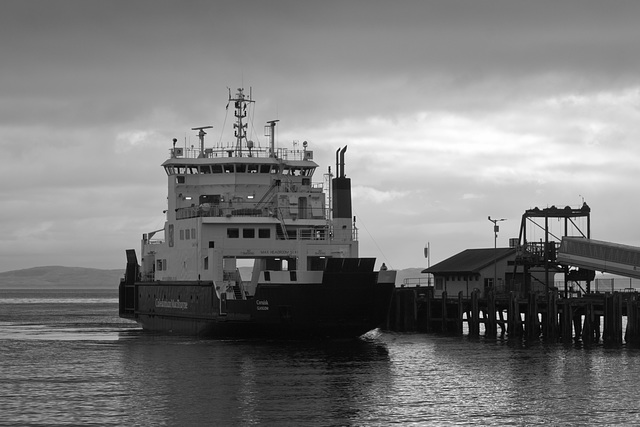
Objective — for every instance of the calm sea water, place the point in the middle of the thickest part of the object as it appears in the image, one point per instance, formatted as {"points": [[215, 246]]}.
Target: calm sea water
{"points": [[67, 359]]}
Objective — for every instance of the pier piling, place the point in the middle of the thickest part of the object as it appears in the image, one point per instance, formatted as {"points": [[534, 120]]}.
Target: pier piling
{"points": [[588, 319]]}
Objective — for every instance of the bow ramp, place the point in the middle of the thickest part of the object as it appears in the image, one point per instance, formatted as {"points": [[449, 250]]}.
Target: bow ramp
{"points": [[600, 256]]}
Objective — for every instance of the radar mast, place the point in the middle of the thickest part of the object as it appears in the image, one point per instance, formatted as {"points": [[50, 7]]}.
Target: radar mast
{"points": [[240, 104]]}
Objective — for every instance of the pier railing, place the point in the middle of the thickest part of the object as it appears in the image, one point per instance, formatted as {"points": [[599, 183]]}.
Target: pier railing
{"points": [[411, 282]]}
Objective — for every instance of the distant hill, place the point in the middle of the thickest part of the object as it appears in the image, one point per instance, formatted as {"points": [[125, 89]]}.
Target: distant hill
{"points": [[60, 277], [78, 278]]}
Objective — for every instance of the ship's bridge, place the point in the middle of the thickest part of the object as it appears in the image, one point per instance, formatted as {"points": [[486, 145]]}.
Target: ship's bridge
{"points": [[602, 256], [288, 162]]}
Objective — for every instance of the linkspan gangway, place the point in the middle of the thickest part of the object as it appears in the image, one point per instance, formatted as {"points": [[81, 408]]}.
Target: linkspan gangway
{"points": [[601, 256]]}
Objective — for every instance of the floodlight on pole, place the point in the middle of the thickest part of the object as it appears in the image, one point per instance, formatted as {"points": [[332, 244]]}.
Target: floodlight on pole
{"points": [[496, 228]]}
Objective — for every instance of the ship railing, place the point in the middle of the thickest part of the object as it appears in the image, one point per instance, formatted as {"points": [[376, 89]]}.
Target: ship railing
{"points": [[304, 234], [313, 234], [149, 244], [317, 234], [230, 150], [249, 210]]}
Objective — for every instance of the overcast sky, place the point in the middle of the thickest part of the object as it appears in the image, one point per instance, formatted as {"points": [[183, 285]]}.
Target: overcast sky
{"points": [[452, 111]]}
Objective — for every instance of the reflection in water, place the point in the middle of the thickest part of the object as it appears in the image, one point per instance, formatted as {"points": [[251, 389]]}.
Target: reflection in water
{"points": [[494, 382], [253, 382]]}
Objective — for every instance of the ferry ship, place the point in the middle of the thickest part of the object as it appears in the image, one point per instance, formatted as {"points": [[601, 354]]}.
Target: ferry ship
{"points": [[238, 204]]}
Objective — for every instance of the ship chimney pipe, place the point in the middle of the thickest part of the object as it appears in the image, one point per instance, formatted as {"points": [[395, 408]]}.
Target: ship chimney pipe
{"points": [[341, 199]]}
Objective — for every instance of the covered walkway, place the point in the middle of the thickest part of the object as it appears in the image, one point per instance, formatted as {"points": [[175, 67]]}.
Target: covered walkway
{"points": [[601, 256]]}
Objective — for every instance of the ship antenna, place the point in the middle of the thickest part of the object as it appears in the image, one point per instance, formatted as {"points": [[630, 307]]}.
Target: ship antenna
{"points": [[240, 104], [271, 133], [201, 135]]}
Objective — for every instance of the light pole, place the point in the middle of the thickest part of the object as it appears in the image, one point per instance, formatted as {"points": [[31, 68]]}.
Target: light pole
{"points": [[495, 248], [427, 255]]}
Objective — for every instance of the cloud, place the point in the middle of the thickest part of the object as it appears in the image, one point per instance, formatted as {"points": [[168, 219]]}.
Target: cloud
{"points": [[451, 111], [377, 196], [135, 139]]}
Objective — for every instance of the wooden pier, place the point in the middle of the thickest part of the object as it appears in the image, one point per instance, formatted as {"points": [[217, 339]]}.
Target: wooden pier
{"points": [[590, 319]]}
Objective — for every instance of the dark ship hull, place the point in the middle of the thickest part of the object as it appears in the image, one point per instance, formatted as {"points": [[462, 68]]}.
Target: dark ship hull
{"points": [[350, 300]]}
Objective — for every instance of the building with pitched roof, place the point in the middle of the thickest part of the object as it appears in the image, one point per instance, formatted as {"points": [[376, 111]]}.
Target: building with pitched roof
{"points": [[472, 269]]}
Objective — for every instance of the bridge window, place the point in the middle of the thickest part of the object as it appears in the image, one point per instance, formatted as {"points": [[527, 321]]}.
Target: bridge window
{"points": [[233, 233], [229, 168], [264, 233], [248, 233], [216, 168]]}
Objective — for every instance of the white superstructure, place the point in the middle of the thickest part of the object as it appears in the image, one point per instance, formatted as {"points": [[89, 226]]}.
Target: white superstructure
{"points": [[241, 201]]}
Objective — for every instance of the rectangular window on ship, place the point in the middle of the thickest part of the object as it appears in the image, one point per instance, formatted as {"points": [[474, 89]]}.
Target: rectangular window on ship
{"points": [[264, 233]]}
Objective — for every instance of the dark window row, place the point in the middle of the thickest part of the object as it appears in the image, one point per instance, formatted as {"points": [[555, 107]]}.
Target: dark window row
{"points": [[249, 233], [239, 168]]}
